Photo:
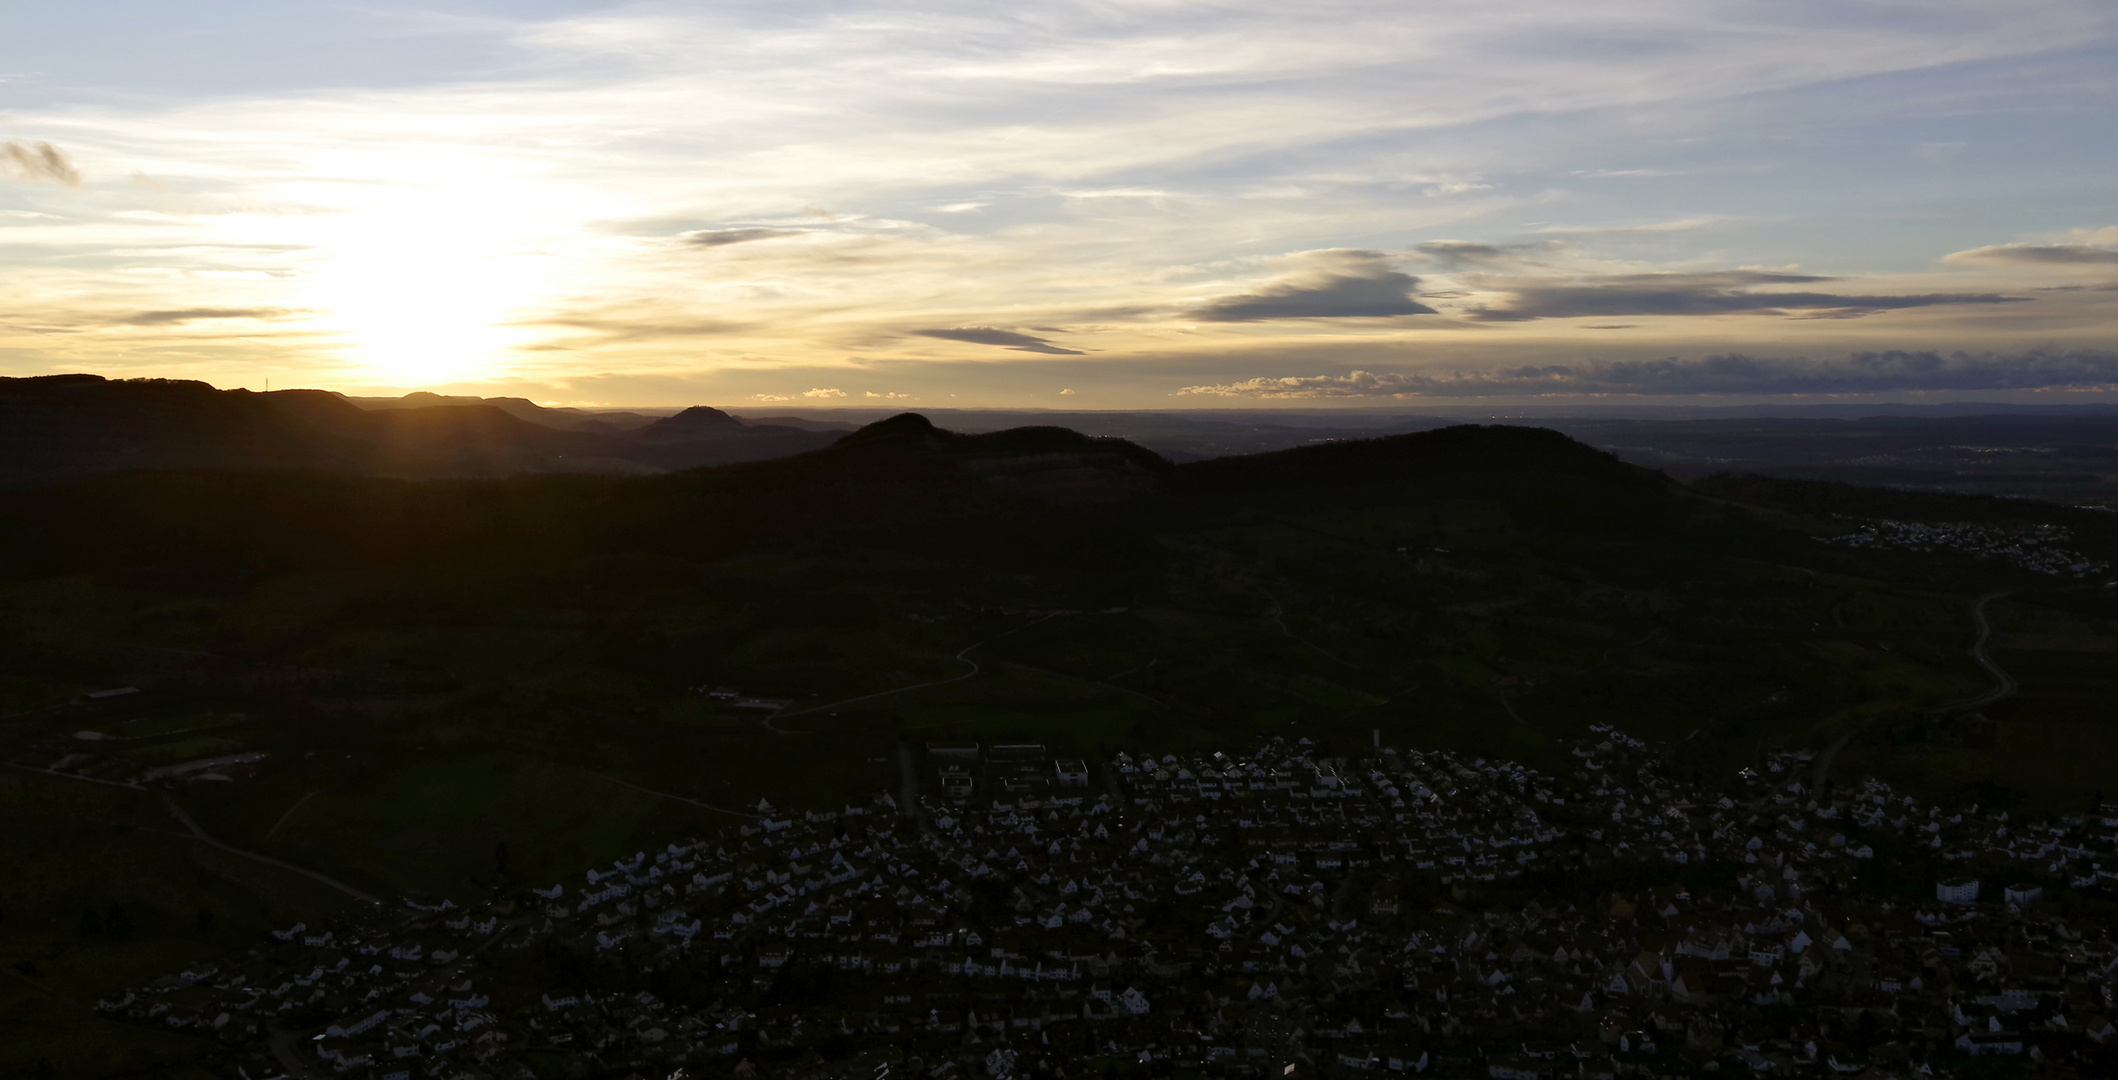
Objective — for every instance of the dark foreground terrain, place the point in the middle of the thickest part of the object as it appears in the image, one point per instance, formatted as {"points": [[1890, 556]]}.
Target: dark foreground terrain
{"points": [[339, 689]]}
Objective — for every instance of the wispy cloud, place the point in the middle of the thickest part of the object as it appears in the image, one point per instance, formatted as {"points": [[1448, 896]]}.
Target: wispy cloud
{"points": [[2037, 255], [1671, 225], [1331, 285], [1006, 339], [40, 161], [1727, 292], [1892, 371], [180, 316], [1468, 254], [724, 237]]}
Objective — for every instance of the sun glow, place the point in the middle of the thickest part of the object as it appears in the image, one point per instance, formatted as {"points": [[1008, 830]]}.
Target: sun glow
{"points": [[432, 291]]}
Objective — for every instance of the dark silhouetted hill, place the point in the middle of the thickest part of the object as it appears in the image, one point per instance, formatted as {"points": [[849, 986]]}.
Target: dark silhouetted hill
{"points": [[61, 426]]}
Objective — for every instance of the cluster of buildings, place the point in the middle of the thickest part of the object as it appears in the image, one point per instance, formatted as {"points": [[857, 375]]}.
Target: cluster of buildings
{"points": [[2035, 548], [1281, 911]]}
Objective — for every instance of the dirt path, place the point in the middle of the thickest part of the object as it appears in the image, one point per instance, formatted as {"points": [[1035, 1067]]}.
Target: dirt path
{"points": [[290, 813], [963, 656], [185, 819], [678, 798], [2004, 686], [197, 833]]}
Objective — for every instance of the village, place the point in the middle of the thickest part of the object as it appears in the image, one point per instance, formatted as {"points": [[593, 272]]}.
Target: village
{"points": [[1275, 911], [2034, 548]]}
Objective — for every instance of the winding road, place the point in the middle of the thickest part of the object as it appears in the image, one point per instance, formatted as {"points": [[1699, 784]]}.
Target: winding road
{"points": [[198, 833], [963, 656], [2004, 686]]}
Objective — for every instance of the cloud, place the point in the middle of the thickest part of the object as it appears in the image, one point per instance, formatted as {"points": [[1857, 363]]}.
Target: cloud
{"points": [[887, 396], [1066, 393], [2037, 255], [1006, 339], [41, 161], [181, 316], [1341, 284], [1726, 292], [1603, 174], [1684, 224], [636, 322], [771, 397], [1462, 254], [823, 392], [725, 237], [1893, 371]]}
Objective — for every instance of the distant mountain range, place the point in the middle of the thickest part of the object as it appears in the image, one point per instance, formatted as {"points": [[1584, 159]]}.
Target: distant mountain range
{"points": [[58, 426], [62, 426]]}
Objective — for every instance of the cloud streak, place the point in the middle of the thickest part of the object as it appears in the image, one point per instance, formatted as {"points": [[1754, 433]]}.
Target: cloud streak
{"points": [[181, 316], [1891, 371], [1337, 285], [1716, 293], [1006, 339], [724, 237], [40, 161], [2037, 255]]}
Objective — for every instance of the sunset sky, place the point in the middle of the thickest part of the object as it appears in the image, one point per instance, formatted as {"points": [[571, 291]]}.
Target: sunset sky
{"points": [[1117, 204]]}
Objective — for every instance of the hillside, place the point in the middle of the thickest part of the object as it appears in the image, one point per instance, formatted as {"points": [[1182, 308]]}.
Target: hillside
{"points": [[62, 426], [578, 666]]}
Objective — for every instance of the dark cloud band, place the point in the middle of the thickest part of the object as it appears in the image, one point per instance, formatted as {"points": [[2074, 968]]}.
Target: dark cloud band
{"points": [[725, 237], [1893, 371], [1006, 339], [2038, 255], [179, 316], [1342, 285], [1724, 293]]}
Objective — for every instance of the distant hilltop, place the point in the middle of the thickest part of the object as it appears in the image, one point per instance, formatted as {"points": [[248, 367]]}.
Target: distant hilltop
{"points": [[58, 426]]}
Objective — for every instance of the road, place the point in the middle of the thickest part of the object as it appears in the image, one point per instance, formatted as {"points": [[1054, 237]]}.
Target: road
{"points": [[185, 820], [198, 833], [2004, 686], [963, 656], [679, 798]]}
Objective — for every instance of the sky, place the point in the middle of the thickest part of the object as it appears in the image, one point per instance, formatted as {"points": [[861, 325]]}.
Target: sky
{"points": [[1103, 204]]}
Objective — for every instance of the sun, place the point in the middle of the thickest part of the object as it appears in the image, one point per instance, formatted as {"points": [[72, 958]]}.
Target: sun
{"points": [[427, 293]]}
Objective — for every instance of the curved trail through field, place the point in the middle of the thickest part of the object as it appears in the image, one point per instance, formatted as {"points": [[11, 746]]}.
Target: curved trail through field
{"points": [[679, 798], [198, 833], [962, 655], [290, 813], [975, 669], [2004, 686], [185, 819]]}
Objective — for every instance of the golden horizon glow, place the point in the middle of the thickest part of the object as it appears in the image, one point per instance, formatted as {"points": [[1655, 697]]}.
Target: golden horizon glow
{"points": [[1108, 205]]}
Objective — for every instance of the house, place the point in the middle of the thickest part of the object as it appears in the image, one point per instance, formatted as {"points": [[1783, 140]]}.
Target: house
{"points": [[1071, 773], [1957, 891]]}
